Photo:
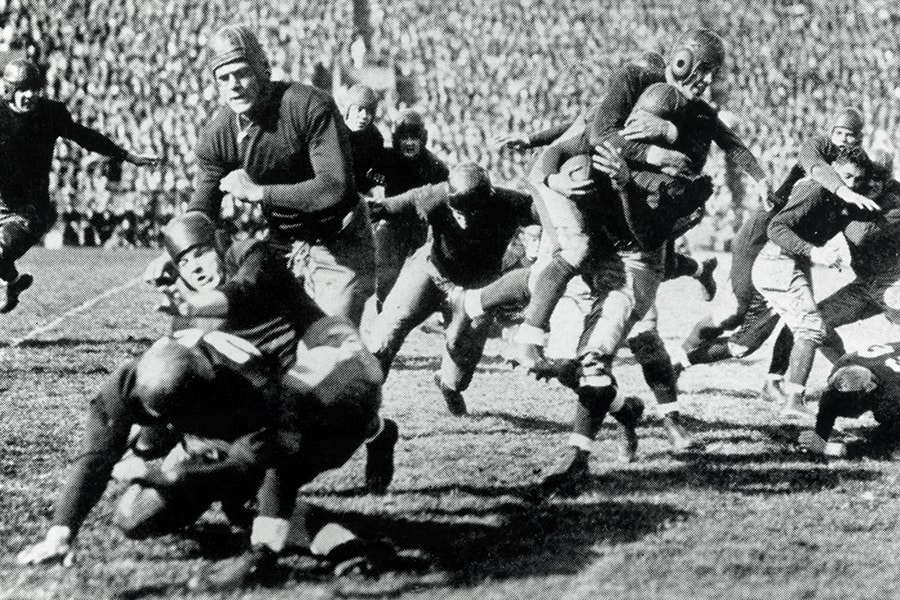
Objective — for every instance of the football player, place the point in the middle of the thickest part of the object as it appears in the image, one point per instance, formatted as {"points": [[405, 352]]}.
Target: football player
{"points": [[408, 164], [277, 382], [285, 147], [783, 271], [742, 308], [30, 124], [472, 224], [361, 104], [868, 380]]}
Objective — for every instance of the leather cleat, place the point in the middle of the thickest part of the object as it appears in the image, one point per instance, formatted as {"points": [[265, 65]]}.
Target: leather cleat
{"points": [[572, 479], [794, 408], [679, 438], [454, 399], [256, 567], [629, 416], [771, 392], [13, 289], [564, 370], [380, 458]]}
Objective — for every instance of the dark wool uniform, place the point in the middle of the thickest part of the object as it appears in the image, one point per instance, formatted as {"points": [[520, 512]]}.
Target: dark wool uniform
{"points": [[398, 236], [467, 257], [268, 308], [884, 401], [27, 141], [298, 148], [368, 153]]}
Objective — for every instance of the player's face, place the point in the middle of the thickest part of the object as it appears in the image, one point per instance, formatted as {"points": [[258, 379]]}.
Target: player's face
{"points": [[239, 86], [24, 99], [698, 82], [852, 175], [201, 268], [360, 117], [410, 146], [844, 138]]}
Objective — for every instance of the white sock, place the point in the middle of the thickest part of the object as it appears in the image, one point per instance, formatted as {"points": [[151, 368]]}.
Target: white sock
{"points": [[774, 377], [582, 442], [617, 404], [790, 387], [270, 531], [679, 356], [472, 303], [668, 407], [529, 334]]}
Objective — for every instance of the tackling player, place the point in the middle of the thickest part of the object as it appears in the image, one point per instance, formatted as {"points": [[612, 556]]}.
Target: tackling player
{"points": [[783, 271], [276, 383], [30, 124], [742, 308], [285, 147]]}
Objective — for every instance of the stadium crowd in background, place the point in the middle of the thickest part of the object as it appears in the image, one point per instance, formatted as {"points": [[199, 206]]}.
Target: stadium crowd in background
{"points": [[136, 72]]}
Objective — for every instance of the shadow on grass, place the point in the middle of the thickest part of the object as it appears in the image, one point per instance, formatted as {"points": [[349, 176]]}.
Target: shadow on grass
{"points": [[550, 539], [68, 342], [524, 422]]}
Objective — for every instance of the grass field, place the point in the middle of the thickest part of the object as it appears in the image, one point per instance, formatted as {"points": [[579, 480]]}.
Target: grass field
{"points": [[747, 518]]}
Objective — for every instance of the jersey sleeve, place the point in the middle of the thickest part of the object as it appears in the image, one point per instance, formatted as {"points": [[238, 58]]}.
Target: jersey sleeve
{"points": [[212, 167], [814, 158], [804, 196], [87, 138]]}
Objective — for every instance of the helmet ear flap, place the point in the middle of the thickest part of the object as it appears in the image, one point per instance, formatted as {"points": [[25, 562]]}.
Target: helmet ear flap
{"points": [[682, 63]]}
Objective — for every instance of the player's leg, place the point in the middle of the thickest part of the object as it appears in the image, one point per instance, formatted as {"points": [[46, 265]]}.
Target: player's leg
{"points": [[391, 250], [858, 300], [462, 352], [682, 265], [340, 273], [413, 298], [18, 233]]}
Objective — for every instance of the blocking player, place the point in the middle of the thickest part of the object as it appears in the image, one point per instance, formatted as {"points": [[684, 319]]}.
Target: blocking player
{"points": [[472, 224], [276, 383], [406, 165], [30, 124], [285, 147], [783, 271], [366, 141], [868, 380], [742, 308]]}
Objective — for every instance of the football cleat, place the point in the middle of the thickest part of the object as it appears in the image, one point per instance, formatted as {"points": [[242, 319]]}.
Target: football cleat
{"points": [[707, 277], [13, 289], [794, 408], [771, 392], [572, 479], [454, 399], [380, 458], [629, 416], [566, 371], [257, 566], [678, 436]]}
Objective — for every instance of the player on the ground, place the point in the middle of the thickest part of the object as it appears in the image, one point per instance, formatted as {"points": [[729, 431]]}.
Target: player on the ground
{"points": [[868, 380], [783, 271], [285, 147], [30, 124], [277, 382], [367, 143], [742, 308], [472, 224], [406, 165]]}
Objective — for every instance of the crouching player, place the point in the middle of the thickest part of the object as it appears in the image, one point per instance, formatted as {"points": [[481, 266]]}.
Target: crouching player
{"points": [[863, 381], [277, 383]]}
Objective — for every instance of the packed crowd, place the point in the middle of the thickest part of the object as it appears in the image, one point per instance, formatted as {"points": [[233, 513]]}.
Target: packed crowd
{"points": [[134, 70]]}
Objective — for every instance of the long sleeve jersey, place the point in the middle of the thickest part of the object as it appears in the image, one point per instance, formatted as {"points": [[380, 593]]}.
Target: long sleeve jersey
{"points": [[875, 245], [27, 141], [470, 256], [297, 148], [811, 217], [368, 153], [814, 160]]}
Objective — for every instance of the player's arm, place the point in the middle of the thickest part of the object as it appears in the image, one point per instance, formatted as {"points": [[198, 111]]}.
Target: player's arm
{"points": [[420, 200], [94, 141], [537, 139], [805, 195], [737, 151], [212, 167], [815, 163], [521, 205], [332, 172]]}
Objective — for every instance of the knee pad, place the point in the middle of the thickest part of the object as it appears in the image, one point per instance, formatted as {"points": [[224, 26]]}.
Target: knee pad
{"points": [[168, 375]]}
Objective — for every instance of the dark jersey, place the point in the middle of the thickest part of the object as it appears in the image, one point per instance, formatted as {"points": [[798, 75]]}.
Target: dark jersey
{"points": [[402, 174], [27, 141], [368, 154], [469, 256], [875, 245], [812, 216], [267, 305], [814, 160], [298, 147]]}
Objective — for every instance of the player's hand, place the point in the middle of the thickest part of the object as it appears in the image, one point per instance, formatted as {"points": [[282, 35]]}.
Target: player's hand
{"points": [[563, 183], [827, 255], [55, 547], [375, 177], [160, 271], [513, 141], [249, 451], [238, 184], [130, 468], [643, 126], [608, 160], [144, 160], [858, 200], [172, 303]]}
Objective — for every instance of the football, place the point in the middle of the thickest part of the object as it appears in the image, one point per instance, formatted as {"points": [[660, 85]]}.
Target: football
{"points": [[578, 168]]}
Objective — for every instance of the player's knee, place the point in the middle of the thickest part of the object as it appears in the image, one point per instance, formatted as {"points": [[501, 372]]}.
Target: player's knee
{"points": [[574, 248], [597, 387], [138, 512], [811, 329], [169, 373], [650, 352]]}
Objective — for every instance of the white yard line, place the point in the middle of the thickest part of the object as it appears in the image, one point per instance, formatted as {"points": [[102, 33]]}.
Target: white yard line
{"points": [[86, 305]]}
